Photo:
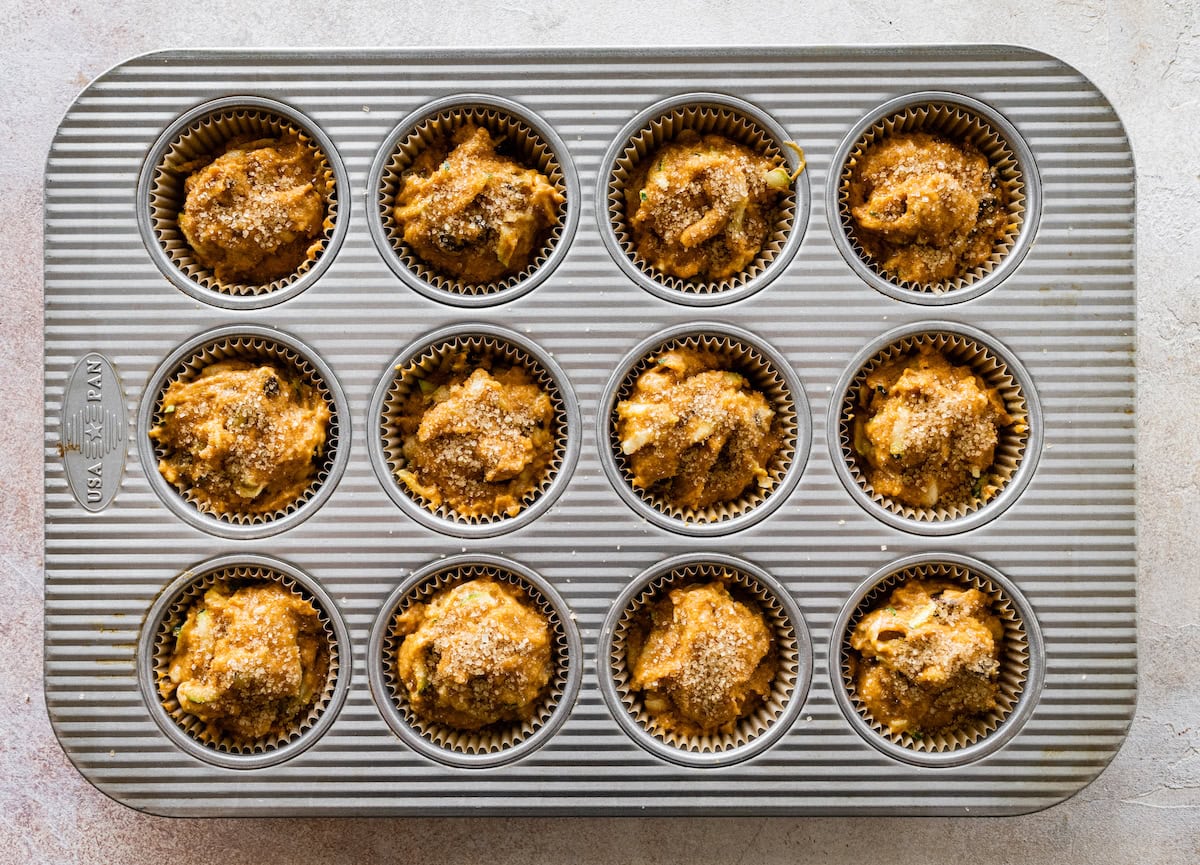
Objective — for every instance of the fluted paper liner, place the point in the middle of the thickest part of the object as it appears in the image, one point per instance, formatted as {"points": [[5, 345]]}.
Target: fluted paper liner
{"points": [[490, 350], [1014, 657], [704, 119], [520, 139], [164, 648], [1012, 443], [495, 737], [955, 123], [205, 138], [734, 356], [785, 644], [254, 349]]}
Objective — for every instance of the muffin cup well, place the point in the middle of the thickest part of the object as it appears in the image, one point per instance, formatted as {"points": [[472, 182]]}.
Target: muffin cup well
{"points": [[386, 443], [201, 133], [497, 744], [768, 372], [957, 118], [752, 734], [704, 113], [1022, 663], [526, 137], [1017, 451], [248, 342], [156, 645]]}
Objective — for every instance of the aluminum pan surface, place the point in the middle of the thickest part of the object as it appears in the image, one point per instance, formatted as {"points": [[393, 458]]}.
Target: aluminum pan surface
{"points": [[1069, 542]]}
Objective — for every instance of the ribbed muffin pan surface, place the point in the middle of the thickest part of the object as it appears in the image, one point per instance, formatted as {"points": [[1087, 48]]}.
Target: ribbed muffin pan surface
{"points": [[1067, 541]]}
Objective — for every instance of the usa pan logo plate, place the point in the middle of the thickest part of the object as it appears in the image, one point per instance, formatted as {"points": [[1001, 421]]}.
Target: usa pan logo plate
{"points": [[94, 429]]}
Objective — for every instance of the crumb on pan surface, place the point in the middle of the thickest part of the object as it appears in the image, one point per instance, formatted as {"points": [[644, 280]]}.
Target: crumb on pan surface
{"points": [[701, 207], [927, 660], [928, 429], [927, 209], [702, 658], [242, 436], [474, 655], [695, 431], [257, 211], [471, 213], [477, 437], [250, 661]]}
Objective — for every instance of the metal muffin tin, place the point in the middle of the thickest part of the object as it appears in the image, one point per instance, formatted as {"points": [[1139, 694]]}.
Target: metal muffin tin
{"points": [[1066, 541]]}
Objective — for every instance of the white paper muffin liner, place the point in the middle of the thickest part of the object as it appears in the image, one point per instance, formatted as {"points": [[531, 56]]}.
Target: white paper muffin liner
{"points": [[203, 138], [961, 350], [520, 138], [254, 348], [739, 122], [237, 576], [491, 347], [766, 374], [954, 121], [1014, 656], [497, 743]]}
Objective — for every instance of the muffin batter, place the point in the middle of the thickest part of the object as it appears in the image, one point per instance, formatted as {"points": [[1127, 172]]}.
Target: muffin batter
{"points": [[480, 443], [471, 214], [929, 659], [475, 655], [256, 212], [705, 662], [928, 431], [926, 209], [241, 437], [250, 662], [702, 206], [695, 432]]}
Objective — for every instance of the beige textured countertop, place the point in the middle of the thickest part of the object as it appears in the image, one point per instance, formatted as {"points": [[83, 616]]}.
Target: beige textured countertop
{"points": [[1144, 55]]}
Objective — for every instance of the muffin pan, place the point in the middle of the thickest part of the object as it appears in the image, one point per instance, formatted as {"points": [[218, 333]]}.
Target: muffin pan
{"points": [[122, 317]]}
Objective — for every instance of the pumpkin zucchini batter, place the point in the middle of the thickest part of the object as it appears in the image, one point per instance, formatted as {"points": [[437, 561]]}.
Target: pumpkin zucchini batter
{"points": [[703, 659], [249, 661], [241, 437], [928, 431], [472, 214], [928, 660], [478, 440], [696, 432], [703, 206], [256, 212], [926, 209], [475, 655]]}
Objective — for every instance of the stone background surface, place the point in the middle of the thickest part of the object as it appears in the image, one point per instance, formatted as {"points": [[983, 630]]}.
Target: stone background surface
{"points": [[1144, 55]]}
